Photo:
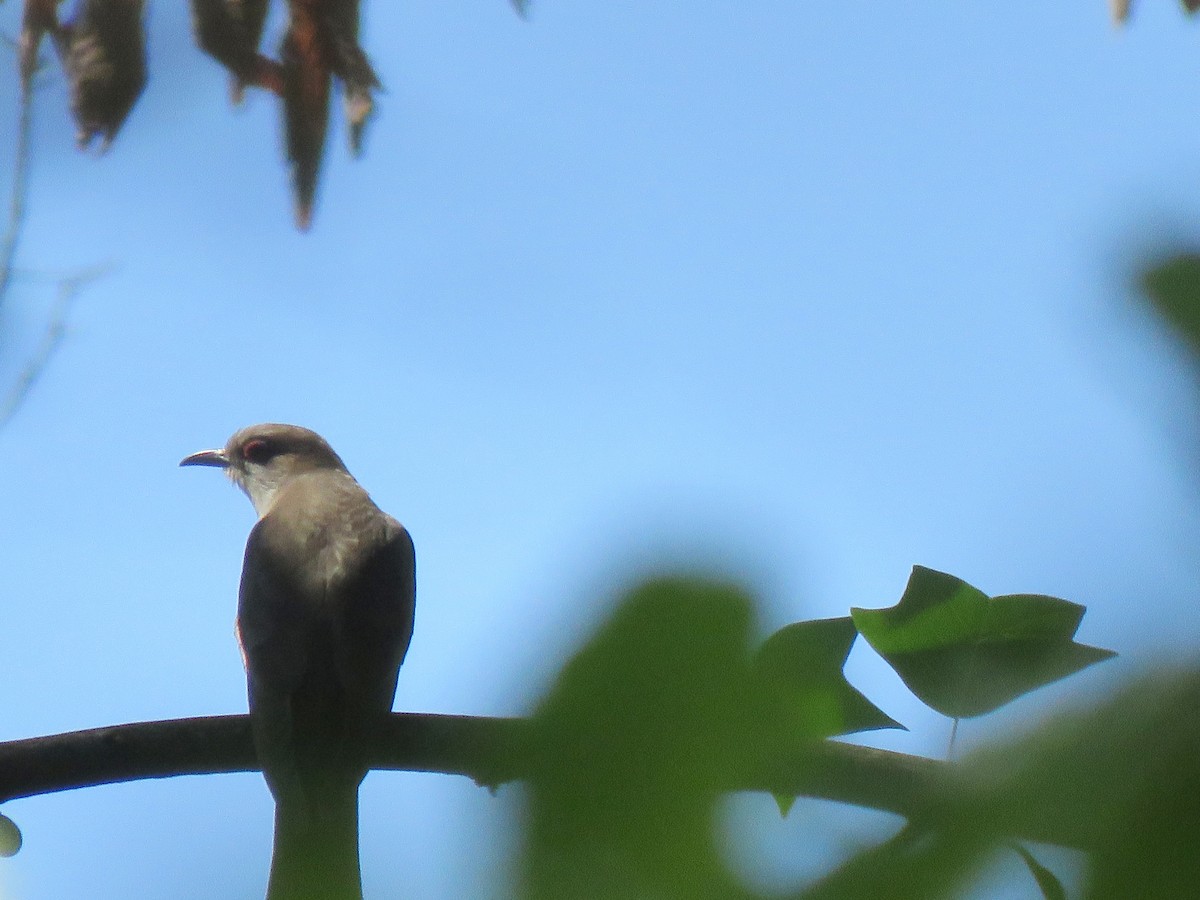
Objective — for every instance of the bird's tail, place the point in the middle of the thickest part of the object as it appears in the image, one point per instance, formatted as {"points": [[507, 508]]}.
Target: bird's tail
{"points": [[316, 849]]}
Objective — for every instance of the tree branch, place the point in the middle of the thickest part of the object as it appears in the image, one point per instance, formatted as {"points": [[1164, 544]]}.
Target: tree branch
{"points": [[491, 751], [52, 336], [68, 287], [452, 745]]}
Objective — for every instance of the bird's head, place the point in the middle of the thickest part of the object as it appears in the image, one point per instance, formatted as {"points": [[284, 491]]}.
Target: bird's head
{"points": [[261, 459]]}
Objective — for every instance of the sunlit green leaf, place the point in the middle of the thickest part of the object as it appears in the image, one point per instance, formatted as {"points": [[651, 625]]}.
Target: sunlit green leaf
{"points": [[965, 654], [802, 665]]}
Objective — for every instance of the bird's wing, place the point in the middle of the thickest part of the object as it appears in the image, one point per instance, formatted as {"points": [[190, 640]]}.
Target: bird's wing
{"points": [[377, 597], [273, 615], [272, 624]]}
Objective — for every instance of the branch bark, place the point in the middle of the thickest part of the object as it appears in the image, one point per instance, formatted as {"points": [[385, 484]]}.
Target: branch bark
{"points": [[490, 751]]}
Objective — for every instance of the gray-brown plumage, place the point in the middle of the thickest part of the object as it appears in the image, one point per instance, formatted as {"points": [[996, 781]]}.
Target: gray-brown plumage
{"points": [[103, 52], [325, 614], [230, 31]]}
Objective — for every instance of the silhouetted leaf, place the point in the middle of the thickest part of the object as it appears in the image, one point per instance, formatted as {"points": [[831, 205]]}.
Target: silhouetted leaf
{"points": [[965, 654], [1047, 881], [802, 665], [103, 51], [38, 18]]}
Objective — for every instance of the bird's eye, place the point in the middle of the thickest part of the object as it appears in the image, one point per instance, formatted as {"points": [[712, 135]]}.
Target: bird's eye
{"points": [[256, 451]]}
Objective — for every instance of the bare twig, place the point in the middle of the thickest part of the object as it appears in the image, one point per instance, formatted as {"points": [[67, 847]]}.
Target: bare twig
{"points": [[20, 186], [55, 330], [68, 288]]}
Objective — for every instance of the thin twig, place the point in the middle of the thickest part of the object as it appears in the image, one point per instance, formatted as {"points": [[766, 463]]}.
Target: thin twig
{"points": [[52, 336], [20, 187], [68, 288], [953, 738]]}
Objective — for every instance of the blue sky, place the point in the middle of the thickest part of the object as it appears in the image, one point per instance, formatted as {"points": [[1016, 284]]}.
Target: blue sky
{"points": [[800, 293]]}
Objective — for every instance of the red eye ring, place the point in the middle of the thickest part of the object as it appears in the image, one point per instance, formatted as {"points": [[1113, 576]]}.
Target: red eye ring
{"points": [[256, 450]]}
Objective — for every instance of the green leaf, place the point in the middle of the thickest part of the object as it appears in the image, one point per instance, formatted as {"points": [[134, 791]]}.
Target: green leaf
{"points": [[1118, 780], [965, 654], [1047, 881], [632, 746], [801, 666], [10, 836], [1126, 775], [1173, 288], [785, 802]]}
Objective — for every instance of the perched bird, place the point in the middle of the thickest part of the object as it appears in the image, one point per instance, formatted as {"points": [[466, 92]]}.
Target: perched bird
{"points": [[103, 51], [230, 31], [325, 615]]}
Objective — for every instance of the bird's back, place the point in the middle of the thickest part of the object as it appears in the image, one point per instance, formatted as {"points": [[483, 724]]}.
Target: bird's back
{"points": [[325, 617]]}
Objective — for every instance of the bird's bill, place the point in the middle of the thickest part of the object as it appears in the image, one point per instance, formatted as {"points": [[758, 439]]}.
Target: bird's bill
{"points": [[207, 458]]}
